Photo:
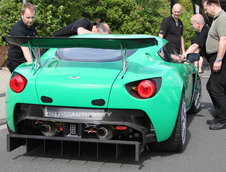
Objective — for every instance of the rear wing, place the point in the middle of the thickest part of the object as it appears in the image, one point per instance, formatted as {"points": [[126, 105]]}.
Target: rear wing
{"points": [[101, 42], [107, 41]]}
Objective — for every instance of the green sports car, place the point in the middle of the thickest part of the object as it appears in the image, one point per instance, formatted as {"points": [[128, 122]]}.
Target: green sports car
{"points": [[101, 89]]}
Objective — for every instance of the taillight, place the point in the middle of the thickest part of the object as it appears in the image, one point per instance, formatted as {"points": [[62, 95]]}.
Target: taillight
{"points": [[18, 83], [119, 127], [146, 89]]}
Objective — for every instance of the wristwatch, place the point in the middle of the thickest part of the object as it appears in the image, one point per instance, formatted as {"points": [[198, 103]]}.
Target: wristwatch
{"points": [[218, 60]]}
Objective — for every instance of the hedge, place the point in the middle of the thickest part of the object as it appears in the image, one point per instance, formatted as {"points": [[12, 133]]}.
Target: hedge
{"points": [[123, 16]]}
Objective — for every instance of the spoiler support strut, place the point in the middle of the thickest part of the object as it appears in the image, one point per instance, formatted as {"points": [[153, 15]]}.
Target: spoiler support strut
{"points": [[37, 63], [124, 59]]}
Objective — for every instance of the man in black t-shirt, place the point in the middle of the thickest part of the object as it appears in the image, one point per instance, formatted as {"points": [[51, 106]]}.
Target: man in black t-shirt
{"points": [[24, 27], [199, 41], [171, 29], [82, 26]]}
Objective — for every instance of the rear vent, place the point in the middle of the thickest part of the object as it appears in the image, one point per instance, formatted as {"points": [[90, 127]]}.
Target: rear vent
{"points": [[46, 99], [73, 130], [98, 102]]}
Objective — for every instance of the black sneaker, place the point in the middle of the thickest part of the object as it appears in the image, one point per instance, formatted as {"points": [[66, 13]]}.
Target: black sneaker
{"points": [[217, 126], [211, 121]]}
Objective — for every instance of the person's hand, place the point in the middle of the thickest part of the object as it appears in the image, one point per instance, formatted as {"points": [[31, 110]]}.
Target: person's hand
{"points": [[182, 58], [177, 58], [217, 66]]}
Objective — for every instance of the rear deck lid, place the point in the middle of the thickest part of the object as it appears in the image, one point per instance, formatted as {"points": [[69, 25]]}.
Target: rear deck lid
{"points": [[76, 84]]}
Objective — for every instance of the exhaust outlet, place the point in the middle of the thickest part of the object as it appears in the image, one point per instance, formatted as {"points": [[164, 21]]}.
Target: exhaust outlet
{"points": [[49, 129], [104, 133]]}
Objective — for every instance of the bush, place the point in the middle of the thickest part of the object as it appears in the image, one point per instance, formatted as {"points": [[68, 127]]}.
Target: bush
{"points": [[123, 16], [52, 15], [9, 14], [127, 16], [187, 12]]}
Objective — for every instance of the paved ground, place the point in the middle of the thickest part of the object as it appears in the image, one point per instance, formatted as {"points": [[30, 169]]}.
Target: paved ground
{"points": [[4, 79]]}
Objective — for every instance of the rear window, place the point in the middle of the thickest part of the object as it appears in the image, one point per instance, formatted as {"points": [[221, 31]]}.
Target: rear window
{"points": [[91, 54]]}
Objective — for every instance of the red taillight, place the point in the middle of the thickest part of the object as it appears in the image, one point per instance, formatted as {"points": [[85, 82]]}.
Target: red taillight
{"points": [[146, 89], [18, 83], [121, 127]]}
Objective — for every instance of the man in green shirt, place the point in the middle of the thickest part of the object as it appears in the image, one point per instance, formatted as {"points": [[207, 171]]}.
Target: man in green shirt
{"points": [[216, 47]]}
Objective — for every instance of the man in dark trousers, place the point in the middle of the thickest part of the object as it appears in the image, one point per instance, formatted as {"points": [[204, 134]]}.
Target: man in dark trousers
{"points": [[24, 27], [199, 42], [82, 26], [216, 48], [171, 29]]}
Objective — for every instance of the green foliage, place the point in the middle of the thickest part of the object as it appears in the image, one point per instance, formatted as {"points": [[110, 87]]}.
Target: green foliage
{"points": [[52, 15], [9, 14], [123, 16], [187, 12], [188, 31], [127, 16]]}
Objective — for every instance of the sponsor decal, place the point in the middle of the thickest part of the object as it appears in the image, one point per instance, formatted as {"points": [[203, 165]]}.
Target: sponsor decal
{"points": [[76, 114]]}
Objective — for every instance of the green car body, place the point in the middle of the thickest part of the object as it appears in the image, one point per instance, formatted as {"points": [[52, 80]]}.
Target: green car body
{"points": [[71, 84]]}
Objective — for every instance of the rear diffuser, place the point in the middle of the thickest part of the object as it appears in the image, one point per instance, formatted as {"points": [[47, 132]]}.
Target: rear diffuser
{"points": [[33, 141]]}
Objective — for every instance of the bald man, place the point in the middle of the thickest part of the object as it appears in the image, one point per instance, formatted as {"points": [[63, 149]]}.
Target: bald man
{"points": [[199, 42], [171, 29]]}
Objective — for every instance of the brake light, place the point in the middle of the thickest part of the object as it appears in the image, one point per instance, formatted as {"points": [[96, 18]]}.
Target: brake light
{"points": [[18, 83], [146, 88], [119, 127]]}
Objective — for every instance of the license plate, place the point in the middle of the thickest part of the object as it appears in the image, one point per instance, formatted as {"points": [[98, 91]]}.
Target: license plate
{"points": [[74, 113]]}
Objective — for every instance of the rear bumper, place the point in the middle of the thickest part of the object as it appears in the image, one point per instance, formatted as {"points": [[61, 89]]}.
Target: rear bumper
{"points": [[140, 129]]}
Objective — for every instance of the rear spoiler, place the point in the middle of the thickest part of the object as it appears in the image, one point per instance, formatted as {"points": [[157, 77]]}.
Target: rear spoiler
{"points": [[106, 41], [101, 42]]}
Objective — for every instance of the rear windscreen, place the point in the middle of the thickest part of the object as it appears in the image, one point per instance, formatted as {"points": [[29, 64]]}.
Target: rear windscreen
{"points": [[91, 54]]}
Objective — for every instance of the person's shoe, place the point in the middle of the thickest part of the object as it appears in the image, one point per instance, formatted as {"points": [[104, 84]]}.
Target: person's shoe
{"points": [[211, 121], [217, 126]]}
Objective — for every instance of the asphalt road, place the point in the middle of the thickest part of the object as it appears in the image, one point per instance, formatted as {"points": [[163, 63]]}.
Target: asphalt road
{"points": [[205, 152]]}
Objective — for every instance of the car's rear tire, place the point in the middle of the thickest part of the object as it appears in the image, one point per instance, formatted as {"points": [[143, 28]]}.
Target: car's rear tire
{"points": [[177, 140], [196, 103]]}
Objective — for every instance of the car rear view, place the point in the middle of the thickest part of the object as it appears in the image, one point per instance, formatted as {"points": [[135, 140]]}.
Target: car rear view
{"points": [[101, 90]]}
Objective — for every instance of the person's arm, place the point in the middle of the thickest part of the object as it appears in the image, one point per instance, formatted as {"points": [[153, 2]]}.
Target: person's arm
{"points": [[27, 54], [221, 53], [176, 58], [82, 30], [182, 44], [163, 28], [194, 48], [21, 32]]}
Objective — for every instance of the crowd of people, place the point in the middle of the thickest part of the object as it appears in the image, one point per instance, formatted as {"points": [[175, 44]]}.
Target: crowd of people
{"points": [[209, 42]]}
